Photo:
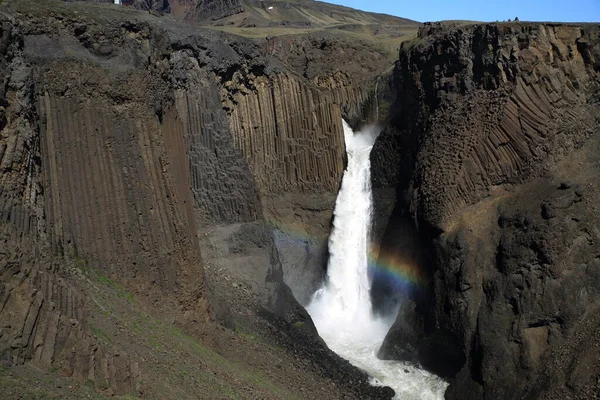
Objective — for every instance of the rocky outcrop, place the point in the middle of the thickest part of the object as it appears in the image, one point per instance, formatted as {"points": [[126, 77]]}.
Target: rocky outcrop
{"points": [[491, 158], [291, 134], [216, 9], [45, 321], [129, 146], [43, 312]]}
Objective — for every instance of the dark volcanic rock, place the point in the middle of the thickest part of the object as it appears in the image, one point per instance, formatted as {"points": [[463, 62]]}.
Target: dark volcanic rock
{"points": [[492, 153], [130, 144]]}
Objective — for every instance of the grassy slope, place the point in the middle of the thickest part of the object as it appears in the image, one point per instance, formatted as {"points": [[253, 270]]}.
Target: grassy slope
{"points": [[174, 365], [304, 17]]}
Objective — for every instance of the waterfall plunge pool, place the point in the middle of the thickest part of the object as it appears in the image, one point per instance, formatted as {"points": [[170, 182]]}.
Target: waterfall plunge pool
{"points": [[341, 309]]}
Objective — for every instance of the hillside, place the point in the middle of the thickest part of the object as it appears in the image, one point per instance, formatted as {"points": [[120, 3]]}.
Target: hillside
{"points": [[262, 19], [168, 176]]}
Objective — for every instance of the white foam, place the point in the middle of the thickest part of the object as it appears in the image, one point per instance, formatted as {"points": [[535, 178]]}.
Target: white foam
{"points": [[341, 309]]}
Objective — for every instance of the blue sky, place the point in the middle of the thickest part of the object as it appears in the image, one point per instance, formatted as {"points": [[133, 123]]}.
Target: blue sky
{"points": [[482, 10]]}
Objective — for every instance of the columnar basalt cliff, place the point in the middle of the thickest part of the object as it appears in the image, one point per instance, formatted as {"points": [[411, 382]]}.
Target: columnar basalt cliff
{"points": [[130, 145], [158, 178], [285, 119], [492, 160], [84, 186]]}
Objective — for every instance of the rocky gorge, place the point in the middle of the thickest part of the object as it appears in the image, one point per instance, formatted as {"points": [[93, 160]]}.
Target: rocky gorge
{"points": [[168, 172]]}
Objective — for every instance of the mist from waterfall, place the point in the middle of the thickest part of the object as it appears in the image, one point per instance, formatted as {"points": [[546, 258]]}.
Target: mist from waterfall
{"points": [[341, 309]]}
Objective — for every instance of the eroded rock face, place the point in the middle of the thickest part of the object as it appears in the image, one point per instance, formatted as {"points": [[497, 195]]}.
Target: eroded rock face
{"points": [[130, 145], [58, 206], [493, 156]]}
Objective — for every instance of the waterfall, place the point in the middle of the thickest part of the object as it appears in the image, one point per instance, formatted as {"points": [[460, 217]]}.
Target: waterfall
{"points": [[341, 309]]}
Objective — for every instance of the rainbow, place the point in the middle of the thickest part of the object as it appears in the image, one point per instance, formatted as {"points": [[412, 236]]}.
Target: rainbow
{"points": [[404, 274]]}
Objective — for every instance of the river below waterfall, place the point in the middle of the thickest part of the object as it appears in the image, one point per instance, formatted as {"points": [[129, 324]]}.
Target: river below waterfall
{"points": [[341, 309]]}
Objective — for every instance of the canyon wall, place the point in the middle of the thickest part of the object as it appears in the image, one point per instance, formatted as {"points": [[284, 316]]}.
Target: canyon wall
{"points": [[131, 145], [83, 185], [491, 159]]}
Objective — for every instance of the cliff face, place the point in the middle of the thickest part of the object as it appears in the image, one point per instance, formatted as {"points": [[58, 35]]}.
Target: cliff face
{"points": [[130, 145], [492, 161], [85, 184]]}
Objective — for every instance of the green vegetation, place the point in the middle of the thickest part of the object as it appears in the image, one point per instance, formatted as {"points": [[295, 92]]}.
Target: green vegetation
{"points": [[181, 361], [104, 280], [99, 333], [97, 276], [33, 388], [299, 324], [260, 32], [247, 335], [412, 43], [154, 342], [102, 383]]}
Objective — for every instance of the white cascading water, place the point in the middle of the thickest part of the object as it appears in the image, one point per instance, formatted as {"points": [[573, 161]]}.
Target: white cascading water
{"points": [[341, 309]]}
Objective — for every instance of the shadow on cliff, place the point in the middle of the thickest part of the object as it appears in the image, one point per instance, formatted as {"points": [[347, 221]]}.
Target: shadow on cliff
{"points": [[403, 269], [402, 282]]}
